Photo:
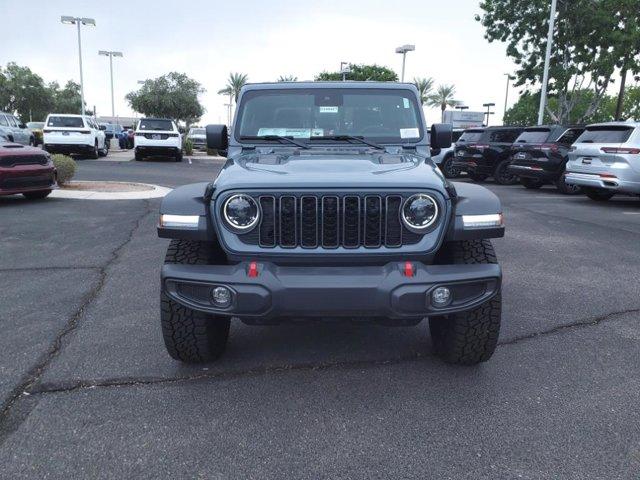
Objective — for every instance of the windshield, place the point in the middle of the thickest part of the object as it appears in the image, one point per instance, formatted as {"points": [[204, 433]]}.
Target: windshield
{"points": [[155, 124], [65, 122], [608, 134], [538, 135], [35, 124], [382, 115], [470, 136]]}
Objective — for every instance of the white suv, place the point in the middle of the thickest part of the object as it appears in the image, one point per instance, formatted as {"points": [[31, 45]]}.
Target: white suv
{"points": [[157, 137], [69, 134], [605, 160]]}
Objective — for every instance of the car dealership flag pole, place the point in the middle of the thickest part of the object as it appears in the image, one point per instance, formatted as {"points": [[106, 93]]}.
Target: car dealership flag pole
{"points": [[545, 76]]}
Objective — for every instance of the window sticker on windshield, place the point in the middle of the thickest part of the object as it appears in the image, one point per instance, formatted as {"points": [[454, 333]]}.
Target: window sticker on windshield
{"points": [[291, 132], [405, 102], [328, 109], [409, 133]]}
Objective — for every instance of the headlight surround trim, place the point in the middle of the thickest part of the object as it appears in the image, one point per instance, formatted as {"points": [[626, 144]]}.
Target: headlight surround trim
{"points": [[421, 229], [240, 229]]}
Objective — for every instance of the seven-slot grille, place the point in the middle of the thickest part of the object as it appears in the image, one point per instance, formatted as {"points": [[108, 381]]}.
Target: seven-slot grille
{"points": [[330, 221]]}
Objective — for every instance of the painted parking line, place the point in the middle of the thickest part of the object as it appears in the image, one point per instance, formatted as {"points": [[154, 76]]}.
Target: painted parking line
{"points": [[631, 213]]}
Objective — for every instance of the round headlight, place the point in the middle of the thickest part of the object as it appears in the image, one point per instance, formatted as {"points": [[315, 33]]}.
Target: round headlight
{"points": [[419, 212], [241, 212]]}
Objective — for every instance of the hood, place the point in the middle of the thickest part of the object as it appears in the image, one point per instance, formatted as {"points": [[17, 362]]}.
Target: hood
{"points": [[12, 149], [329, 170]]}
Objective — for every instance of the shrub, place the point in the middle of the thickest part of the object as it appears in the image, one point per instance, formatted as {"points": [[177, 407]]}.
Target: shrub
{"points": [[65, 166], [37, 135], [188, 147]]}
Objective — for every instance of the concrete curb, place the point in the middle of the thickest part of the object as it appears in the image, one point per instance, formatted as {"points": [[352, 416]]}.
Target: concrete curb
{"points": [[156, 192]]}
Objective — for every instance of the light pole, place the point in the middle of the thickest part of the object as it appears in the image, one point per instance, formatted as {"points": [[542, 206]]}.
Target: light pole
{"points": [[488, 112], [506, 95], [79, 21], [344, 69], [111, 55], [403, 50], [545, 75]]}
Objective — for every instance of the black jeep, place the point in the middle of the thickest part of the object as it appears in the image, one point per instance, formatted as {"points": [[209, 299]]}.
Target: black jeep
{"points": [[489, 156], [540, 154], [330, 207]]}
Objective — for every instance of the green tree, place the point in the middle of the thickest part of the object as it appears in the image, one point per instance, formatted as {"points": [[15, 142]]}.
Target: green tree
{"points": [[443, 98], [591, 40], [24, 92], [67, 99], [424, 86], [173, 95], [361, 73], [235, 82], [287, 78], [525, 111]]}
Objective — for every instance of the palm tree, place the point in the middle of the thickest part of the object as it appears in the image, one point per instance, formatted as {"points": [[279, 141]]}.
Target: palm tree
{"points": [[424, 86], [235, 82], [443, 98], [287, 78]]}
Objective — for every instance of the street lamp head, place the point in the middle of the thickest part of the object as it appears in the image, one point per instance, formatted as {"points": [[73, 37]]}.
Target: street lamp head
{"points": [[405, 48], [489, 104], [116, 54], [68, 20], [109, 54], [88, 21]]}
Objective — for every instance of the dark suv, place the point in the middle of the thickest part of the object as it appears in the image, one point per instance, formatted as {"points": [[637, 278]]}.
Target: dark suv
{"points": [[489, 156], [540, 156], [329, 207]]}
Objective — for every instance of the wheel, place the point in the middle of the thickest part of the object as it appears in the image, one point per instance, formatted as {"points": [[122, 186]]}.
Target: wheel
{"points": [[105, 151], [32, 142], [40, 194], [191, 336], [567, 189], [531, 183], [138, 157], [448, 169], [470, 337], [178, 156], [502, 174], [478, 177], [598, 194], [95, 153]]}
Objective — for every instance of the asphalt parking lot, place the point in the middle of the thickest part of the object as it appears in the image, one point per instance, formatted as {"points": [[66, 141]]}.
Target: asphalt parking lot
{"points": [[87, 389]]}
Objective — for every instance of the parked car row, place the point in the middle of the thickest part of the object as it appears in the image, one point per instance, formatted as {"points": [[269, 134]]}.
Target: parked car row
{"points": [[13, 130], [600, 159]]}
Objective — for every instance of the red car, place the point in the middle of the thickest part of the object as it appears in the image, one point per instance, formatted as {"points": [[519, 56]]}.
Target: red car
{"points": [[25, 170]]}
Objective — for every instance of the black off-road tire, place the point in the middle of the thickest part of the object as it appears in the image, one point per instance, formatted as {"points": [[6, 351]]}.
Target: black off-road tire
{"points": [[502, 174], [40, 194], [470, 337], [598, 194], [191, 336], [531, 183], [478, 177]]}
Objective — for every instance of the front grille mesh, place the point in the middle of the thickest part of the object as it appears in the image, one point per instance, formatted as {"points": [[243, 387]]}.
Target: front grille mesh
{"points": [[11, 160], [331, 221]]}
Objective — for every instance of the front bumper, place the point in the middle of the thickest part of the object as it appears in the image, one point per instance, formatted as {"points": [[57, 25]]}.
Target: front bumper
{"points": [[319, 292], [596, 180], [27, 178]]}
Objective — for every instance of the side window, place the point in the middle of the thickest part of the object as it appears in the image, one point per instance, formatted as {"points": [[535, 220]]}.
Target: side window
{"points": [[511, 135], [570, 136], [3, 121], [12, 121]]}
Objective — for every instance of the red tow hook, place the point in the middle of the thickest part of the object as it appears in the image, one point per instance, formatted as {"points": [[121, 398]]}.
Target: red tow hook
{"points": [[408, 269], [253, 270]]}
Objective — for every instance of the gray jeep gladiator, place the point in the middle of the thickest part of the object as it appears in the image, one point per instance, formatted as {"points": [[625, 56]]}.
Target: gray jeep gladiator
{"points": [[329, 206]]}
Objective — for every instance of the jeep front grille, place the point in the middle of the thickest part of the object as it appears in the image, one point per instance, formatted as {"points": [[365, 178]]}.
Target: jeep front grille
{"points": [[330, 221]]}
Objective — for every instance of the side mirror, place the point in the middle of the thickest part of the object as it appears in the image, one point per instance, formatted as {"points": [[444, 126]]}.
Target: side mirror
{"points": [[103, 127], [217, 137], [441, 135], [22, 125]]}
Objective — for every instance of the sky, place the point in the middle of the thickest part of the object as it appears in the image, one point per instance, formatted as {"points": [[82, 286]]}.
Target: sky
{"points": [[265, 39]]}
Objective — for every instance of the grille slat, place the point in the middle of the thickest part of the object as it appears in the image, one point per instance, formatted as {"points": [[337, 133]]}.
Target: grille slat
{"points": [[332, 221]]}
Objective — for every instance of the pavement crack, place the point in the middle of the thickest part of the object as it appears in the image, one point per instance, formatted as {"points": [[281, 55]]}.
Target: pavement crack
{"points": [[23, 389], [582, 323]]}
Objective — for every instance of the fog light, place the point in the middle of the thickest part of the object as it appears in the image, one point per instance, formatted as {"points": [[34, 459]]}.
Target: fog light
{"points": [[221, 297], [441, 297]]}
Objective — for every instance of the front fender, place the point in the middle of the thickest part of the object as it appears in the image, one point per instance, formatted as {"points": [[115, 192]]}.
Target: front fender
{"points": [[474, 200], [188, 201]]}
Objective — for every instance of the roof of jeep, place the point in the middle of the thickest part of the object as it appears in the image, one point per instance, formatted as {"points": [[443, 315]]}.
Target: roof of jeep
{"points": [[335, 84]]}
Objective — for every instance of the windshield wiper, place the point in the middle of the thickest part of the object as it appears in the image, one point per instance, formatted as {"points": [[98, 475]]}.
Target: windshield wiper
{"points": [[278, 138], [350, 138]]}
